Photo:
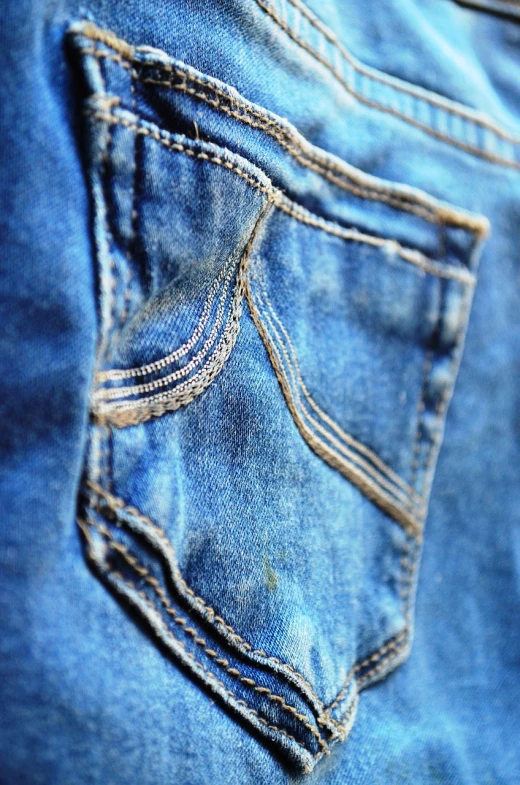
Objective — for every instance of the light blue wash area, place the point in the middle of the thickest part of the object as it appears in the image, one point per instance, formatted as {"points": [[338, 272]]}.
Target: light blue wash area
{"points": [[280, 250]]}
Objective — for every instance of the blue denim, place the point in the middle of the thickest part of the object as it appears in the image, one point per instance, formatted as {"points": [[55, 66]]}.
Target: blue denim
{"points": [[260, 359]]}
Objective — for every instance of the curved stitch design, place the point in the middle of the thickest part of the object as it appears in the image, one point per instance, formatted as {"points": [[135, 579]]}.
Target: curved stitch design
{"points": [[338, 456], [199, 666], [189, 148], [181, 351], [123, 413], [116, 504], [185, 370], [130, 413], [394, 482], [380, 661]]}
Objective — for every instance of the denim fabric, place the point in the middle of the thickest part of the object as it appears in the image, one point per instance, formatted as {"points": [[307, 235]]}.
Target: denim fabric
{"points": [[260, 359]]}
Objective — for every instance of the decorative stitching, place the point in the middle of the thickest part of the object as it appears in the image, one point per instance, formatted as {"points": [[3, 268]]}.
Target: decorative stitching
{"points": [[391, 648], [368, 102], [123, 392], [145, 370], [117, 504], [378, 660], [295, 367], [362, 466], [107, 430], [393, 645], [374, 492], [132, 412], [292, 141], [394, 648], [297, 211], [374, 658], [223, 663]]}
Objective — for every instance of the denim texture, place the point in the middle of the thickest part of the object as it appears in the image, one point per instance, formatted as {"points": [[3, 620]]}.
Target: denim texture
{"points": [[252, 284]]}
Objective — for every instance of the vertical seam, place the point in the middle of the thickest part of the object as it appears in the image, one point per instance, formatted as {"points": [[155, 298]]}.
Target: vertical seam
{"points": [[133, 221]]}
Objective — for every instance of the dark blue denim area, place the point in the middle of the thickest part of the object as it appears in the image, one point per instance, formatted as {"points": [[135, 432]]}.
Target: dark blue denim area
{"points": [[252, 285]]}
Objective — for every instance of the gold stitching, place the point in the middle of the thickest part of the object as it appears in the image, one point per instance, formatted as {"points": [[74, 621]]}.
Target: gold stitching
{"points": [[132, 586], [145, 370], [124, 392], [395, 478], [117, 504], [400, 514], [292, 142], [143, 573], [300, 213]]}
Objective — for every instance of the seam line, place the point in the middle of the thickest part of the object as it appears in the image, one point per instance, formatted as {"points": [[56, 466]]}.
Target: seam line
{"points": [[374, 492], [288, 138], [127, 413], [404, 494], [177, 354], [298, 212], [159, 590], [117, 504], [395, 478], [369, 102], [122, 392], [397, 84], [166, 629], [390, 649]]}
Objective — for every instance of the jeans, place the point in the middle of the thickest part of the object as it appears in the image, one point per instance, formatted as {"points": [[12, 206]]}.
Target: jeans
{"points": [[260, 388]]}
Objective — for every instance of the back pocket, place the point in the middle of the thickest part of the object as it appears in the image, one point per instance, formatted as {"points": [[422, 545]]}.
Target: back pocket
{"points": [[279, 339]]}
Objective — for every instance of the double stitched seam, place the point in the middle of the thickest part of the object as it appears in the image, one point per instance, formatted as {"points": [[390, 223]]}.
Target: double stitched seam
{"points": [[377, 76], [235, 673], [106, 457], [131, 412], [391, 648], [118, 505], [381, 660], [293, 209], [416, 451], [395, 509], [363, 474], [117, 575], [290, 140], [381, 107], [142, 572], [408, 568]]}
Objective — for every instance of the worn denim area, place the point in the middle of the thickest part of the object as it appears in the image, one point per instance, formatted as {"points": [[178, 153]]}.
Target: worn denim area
{"points": [[259, 264]]}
